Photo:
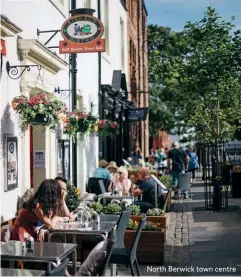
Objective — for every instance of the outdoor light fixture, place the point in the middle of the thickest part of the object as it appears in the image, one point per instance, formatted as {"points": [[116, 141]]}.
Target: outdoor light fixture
{"points": [[63, 93], [16, 71]]}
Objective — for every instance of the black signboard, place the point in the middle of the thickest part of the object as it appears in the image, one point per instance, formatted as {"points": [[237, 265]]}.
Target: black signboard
{"points": [[136, 114], [116, 80]]}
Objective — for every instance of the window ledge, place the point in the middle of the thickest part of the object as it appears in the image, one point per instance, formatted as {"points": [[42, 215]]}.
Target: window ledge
{"points": [[8, 28], [40, 54]]}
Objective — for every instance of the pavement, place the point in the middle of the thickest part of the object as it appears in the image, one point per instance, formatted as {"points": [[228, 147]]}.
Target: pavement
{"points": [[199, 242]]}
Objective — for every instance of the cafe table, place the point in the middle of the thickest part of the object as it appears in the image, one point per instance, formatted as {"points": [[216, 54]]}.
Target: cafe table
{"points": [[42, 252], [21, 272], [106, 196], [75, 229]]}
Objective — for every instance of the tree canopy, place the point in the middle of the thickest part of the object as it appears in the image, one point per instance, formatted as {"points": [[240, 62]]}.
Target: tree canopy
{"points": [[195, 78]]}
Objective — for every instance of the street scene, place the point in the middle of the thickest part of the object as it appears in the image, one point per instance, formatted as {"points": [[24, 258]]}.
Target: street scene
{"points": [[120, 146]]}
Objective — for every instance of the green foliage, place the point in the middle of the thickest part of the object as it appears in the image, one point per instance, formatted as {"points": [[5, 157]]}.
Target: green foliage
{"points": [[72, 197], [195, 76], [96, 206], [166, 180], [135, 209], [130, 224], [112, 209]]}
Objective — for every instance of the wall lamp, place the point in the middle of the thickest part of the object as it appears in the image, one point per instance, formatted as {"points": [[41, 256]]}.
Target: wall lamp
{"points": [[16, 71], [63, 93]]}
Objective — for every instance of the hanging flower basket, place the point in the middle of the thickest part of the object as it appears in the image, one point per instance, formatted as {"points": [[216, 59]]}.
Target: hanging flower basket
{"points": [[78, 122], [107, 128], [39, 120], [38, 110]]}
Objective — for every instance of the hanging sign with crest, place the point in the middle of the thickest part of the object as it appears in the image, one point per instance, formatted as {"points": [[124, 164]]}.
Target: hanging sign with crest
{"points": [[82, 34]]}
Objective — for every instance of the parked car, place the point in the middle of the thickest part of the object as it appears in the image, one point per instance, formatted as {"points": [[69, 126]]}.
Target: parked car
{"points": [[233, 152]]}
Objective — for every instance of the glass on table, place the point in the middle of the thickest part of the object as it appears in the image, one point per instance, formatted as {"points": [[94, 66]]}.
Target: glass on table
{"points": [[85, 218]]}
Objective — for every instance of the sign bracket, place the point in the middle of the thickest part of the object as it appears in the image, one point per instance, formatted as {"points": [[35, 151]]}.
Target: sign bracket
{"points": [[55, 32]]}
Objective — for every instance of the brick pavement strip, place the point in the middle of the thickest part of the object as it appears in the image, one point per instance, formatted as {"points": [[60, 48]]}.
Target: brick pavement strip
{"points": [[202, 239]]}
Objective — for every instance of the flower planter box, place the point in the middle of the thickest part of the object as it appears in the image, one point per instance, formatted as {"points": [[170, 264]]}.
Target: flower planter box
{"points": [[161, 221], [150, 248], [39, 120]]}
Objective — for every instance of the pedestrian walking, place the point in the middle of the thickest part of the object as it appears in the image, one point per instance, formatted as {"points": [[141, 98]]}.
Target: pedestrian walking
{"points": [[177, 162], [193, 162]]}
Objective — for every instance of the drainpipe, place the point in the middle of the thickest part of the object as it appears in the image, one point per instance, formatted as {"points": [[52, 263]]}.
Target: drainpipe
{"points": [[73, 62], [139, 63], [102, 140]]}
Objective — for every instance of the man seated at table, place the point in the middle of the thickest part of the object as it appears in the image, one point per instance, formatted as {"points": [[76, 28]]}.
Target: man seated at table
{"points": [[63, 209], [146, 187]]}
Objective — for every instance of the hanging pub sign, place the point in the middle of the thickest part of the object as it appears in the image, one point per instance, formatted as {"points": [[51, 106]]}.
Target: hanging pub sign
{"points": [[136, 114], [82, 34]]}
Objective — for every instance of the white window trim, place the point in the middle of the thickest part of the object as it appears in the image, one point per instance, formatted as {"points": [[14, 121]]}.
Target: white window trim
{"points": [[63, 9]]}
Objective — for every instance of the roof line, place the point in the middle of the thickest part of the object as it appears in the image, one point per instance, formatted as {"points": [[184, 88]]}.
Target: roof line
{"points": [[144, 6]]}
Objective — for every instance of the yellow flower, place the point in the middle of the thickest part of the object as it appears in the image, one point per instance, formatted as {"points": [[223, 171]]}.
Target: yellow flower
{"points": [[78, 191], [96, 128]]}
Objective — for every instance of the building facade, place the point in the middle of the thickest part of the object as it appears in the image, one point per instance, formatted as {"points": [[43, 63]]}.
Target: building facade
{"points": [[138, 68], [26, 46]]}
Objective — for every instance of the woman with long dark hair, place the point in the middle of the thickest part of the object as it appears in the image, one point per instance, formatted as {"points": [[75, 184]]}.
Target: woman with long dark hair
{"points": [[43, 207]]}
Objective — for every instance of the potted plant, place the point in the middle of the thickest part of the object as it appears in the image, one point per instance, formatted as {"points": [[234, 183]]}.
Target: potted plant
{"points": [[112, 209], [78, 121], [106, 127], [38, 110], [72, 197], [135, 210], [96, 206], [150, 249]]}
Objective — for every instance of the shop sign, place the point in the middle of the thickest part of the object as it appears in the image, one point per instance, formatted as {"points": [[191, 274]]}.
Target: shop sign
{"points": [[66, 47], [136, 114], [82, 34], [3, 48]]}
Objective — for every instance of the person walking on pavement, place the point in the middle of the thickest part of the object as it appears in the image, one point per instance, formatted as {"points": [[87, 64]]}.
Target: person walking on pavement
{"points": [[177, 163], [193, 163]]}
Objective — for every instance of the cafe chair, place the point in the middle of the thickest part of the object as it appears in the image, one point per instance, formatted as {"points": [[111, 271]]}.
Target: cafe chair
{"points": [[127, 256], [98, 259], [102, 186], [60, 270], [184, 182], [121, 228], [94, 187], [122, 223]]}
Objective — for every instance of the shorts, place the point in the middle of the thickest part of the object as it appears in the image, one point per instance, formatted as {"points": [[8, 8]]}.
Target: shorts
{"points": [[175, 175]]}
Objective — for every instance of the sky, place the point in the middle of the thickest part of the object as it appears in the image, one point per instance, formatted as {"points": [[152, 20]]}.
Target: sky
{"points": [[175, 13]]}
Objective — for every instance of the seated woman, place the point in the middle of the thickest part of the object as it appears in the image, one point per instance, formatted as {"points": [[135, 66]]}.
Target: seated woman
{"points": [[121, 183], [40, 210], [102, 171], [112, 167]]}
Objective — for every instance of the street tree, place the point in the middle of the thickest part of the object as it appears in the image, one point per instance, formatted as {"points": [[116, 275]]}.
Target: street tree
{"points": [[200, 79]]}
